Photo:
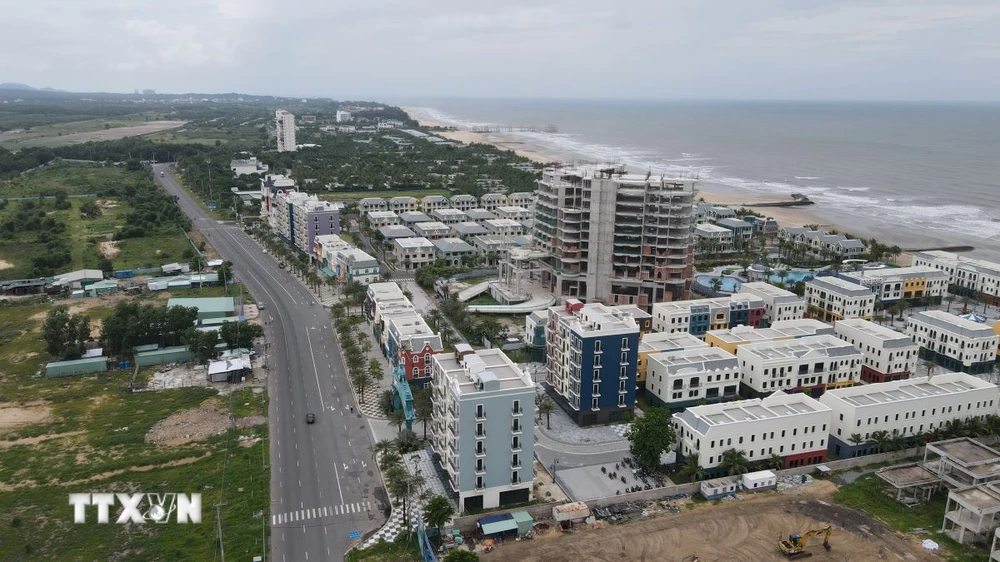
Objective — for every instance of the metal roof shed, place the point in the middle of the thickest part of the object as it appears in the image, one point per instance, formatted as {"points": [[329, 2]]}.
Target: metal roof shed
{"points": [[84, 366], [175, 354], [497, 525], [211, 307], [525, 523]]}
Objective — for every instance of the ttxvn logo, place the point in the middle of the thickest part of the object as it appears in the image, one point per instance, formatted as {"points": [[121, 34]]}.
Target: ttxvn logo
{"points": [[139, 508]]}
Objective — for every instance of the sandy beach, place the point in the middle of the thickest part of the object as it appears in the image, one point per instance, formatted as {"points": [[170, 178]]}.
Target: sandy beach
{"points": [[786, 216]]}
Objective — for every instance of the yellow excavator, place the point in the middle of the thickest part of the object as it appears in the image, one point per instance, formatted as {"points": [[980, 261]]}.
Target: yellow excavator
{"points": [[795, 546]]}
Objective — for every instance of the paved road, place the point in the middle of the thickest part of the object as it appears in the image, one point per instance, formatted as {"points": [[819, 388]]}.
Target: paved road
{"points": [[324, 485]]}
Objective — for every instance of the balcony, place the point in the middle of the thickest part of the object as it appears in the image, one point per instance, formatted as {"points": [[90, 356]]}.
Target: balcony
{"points": [[515, 481], [480, 415], [481, 434], [515, 446], [453, 463], [480, 469], [453, 428], [481, 452], [515, 464], [516, 429], [516, 411]]}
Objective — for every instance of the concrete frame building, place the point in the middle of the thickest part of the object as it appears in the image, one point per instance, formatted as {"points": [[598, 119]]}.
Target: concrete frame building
{"points": [[373, 204], [514, 213], [284, 126], [490, 201], [615, 238], [464, 202], [480, 215], [503, 227], [905, 407], [816, 363], [592, 352], [679, 379], [431, 203], [452, 250], [888, 354], [902, 283], [468, 230], [836, 299], [792, 426], [966, 276], [972, 514], [952, 342], [413, 253], [432, 230], [962, 462], [449, 216], [248, 166], [698, 316], [779, 304], [413, 218], [483, 408]]}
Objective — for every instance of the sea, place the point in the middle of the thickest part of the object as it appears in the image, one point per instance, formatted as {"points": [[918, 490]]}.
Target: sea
{"points": [[918, 175]]}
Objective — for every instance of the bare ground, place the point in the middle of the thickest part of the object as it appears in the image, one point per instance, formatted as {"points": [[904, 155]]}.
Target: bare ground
{"points": [[190, 425], [110, 249], [738, 531], [4, 264], [13, 414]]}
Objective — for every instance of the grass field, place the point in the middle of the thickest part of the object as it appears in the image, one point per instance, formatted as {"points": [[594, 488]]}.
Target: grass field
{"points": [[74, 179], [352, 196], [92, 438], [865, 494], [75, 132]]}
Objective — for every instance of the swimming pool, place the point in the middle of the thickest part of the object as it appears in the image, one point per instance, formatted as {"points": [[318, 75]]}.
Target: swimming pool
{"points": [[793, 277], [729, 284]]}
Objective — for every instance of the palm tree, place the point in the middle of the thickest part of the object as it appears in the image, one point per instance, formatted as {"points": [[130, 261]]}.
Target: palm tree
{"points": [[992, 422], [383, 447], [360, 379], [545, 408], [897, 442], [856, 439], [881, 439], [776, 462], [734, 461], [423, 408], [375, 371], [975, 427], [954, 428], [385, 403], [716, 284], [692, 468], [930, 365], [950, 299], [399, 418]]}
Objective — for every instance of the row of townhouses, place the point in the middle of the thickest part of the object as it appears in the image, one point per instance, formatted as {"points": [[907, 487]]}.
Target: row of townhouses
{"points": [[966, 276], [339, 259], [430, 203], [818, 241]]}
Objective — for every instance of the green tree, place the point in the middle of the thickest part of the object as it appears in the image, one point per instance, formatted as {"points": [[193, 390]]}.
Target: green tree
{"points": [[735, 461], [240, 334], [650, 436], [360, 379], [385, 403], [375, 371], [437, 512], [398, 418], [692, 468], [201, 344], [459, 555], [65, 334], [881, 438], [226, 272], [423, 407], [545, 408], [89, 209], [930, 365]]}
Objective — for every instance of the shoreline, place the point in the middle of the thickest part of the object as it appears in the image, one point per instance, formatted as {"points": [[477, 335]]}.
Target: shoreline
{"points": [[786, 216]]}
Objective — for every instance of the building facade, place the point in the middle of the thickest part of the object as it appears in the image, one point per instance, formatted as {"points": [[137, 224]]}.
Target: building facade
{"points": [[697, 317], [888, 354], [660, 342], [914, 284], [339, 259], [299, 218], [952, 342], [730, 339], [483, 412], [592, 352], [832, 299], [613, 237], [410, 343], [413, 253], [794, 427], [779, 304], [284, 126], [966, 276], [813, 364], [904, 407], [679, 379]]}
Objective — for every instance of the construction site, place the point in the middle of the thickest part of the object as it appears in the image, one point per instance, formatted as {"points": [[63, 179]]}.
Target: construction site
{"points": [[748, 529]]}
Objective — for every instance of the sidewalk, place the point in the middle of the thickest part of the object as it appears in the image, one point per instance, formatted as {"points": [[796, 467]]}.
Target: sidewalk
{"points": [[564, 429]]}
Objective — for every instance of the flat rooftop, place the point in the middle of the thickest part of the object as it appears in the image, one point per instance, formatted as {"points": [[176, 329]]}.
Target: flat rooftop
{"points": [[382, 214], [431, 226], [907, 475], [965, 451], [414, 242], [664, 341], [697, 360], [820, 346], [503, 223], [910, 389], [952, 323], [888, 336], [840, 286], [396, 231], [916, 271], [762, 288], [983, 498], [596, 319], [493, 361], [779, 404]]}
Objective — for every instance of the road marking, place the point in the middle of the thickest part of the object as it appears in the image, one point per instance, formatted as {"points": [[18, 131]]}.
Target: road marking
{"points": [[315, 370], [297, 464], [339, 490]]}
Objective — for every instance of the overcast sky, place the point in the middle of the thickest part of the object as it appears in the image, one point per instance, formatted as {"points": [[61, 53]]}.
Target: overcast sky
{"points": [[742, 49]]}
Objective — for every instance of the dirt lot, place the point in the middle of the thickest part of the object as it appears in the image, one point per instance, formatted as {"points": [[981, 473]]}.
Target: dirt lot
{"points": [[15, 414], [746, 530], [191, 425]]}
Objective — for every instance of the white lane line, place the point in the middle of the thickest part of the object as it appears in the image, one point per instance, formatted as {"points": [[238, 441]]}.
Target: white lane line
{"points": [[336, 473], [274, 520], [315, 370]]}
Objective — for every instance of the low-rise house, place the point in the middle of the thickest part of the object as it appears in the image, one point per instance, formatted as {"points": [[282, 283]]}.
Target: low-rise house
{"points": [[678, 379], [791, 426], [814, 363], [449, 216], [833, 299], [431, 203], [742, 230], [966, 276], [712, 238], [453, 250], [372, 204], [514, 213], [504, 227], [952, 342], [490, 201], [467, 230], [412, 218], [779, 304], [661, 342], [524, 199], [464, 202], [396, 231], [906, 408], [413, 253], [697, 317], [730, 339], [404, 204], [378, 219], [888, 354], [480, 215], [248, 166], [432, 230]]}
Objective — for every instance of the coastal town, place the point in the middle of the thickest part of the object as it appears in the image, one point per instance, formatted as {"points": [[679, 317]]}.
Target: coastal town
{"points": [[545, 359]]}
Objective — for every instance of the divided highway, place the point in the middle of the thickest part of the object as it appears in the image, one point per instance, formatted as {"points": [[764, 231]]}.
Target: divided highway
{"points": [[325, 488]]}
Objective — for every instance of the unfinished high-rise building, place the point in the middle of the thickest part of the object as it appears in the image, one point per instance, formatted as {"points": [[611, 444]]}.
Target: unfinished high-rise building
{"points": [[614, 237]]}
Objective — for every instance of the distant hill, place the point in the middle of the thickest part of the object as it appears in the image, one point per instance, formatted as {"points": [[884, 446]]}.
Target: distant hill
{"points": [[15, 86]]}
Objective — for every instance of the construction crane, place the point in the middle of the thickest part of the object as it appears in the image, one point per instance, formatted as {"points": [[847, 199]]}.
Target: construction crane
{"points": [[795, 546]]}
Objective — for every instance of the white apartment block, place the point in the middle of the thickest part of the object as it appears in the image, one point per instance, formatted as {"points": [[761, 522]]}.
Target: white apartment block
{"points": [[682, 378], [383, 300], [248, 166], [343, 116], [483, 415], [730, 339], [284, 125], [413, 253], [378, 219], [779, 304], [892, 284], [822, 361], [952, 342], [965, 274], [698, 316], [889, 355], [836, 299], [909, 407], [792, 426]]}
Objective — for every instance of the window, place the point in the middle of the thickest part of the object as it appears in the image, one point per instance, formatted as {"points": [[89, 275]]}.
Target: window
{"points": [[594, 405], [624, 343], [517, 407], [597, 346]]}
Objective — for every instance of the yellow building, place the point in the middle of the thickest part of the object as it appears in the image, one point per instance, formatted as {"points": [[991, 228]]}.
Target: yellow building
{"points": [[659, 342], [732, 338], [996, 328]]}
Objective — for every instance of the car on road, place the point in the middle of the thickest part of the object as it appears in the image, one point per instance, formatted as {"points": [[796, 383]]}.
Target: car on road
{"points": [[161, 174], [281, 265], [310, 418]]}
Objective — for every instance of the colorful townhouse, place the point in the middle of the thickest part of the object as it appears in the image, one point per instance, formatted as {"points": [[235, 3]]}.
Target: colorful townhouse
{"points": [[697, 317]]}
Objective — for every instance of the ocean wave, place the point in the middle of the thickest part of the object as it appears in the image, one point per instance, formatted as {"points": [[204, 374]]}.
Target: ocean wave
{"points": [[808, 177], [853, 188]]}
